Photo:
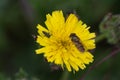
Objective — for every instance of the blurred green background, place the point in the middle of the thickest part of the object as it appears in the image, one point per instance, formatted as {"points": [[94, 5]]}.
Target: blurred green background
{"points": [[18, 20]]}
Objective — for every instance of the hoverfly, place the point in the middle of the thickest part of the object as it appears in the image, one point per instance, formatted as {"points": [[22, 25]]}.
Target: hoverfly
{"points": [[46, 34], [76, 40]]}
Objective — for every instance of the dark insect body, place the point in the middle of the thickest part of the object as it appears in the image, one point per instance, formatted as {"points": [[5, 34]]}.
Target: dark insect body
{"points": [[76, 40], [46, 34]]}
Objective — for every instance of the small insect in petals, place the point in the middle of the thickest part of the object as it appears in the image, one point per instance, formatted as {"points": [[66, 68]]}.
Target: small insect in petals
{"points": [[76, 40], [46, 34]]}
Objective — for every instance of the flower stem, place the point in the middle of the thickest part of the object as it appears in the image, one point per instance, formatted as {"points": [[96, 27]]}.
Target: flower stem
{"points": [[100, 62], [100, 38], [65, 75]]}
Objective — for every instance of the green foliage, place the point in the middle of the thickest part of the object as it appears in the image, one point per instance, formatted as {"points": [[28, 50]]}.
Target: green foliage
{"points": [[22, 75], [3, 77], [110, 27]]}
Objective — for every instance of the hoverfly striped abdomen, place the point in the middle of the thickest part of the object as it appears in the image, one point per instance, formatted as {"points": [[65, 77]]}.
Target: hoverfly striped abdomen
{"points": [[77, 42]]}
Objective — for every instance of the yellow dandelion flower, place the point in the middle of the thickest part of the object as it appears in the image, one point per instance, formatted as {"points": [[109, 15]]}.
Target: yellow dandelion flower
{"points": [[66, 42]]}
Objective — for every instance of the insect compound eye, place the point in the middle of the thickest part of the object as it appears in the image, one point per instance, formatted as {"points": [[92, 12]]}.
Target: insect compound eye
{"points": [[74, 37], [72, 34]]}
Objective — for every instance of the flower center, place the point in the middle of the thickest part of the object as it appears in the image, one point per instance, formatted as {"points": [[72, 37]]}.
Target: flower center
{"points": [[64, 45]]}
